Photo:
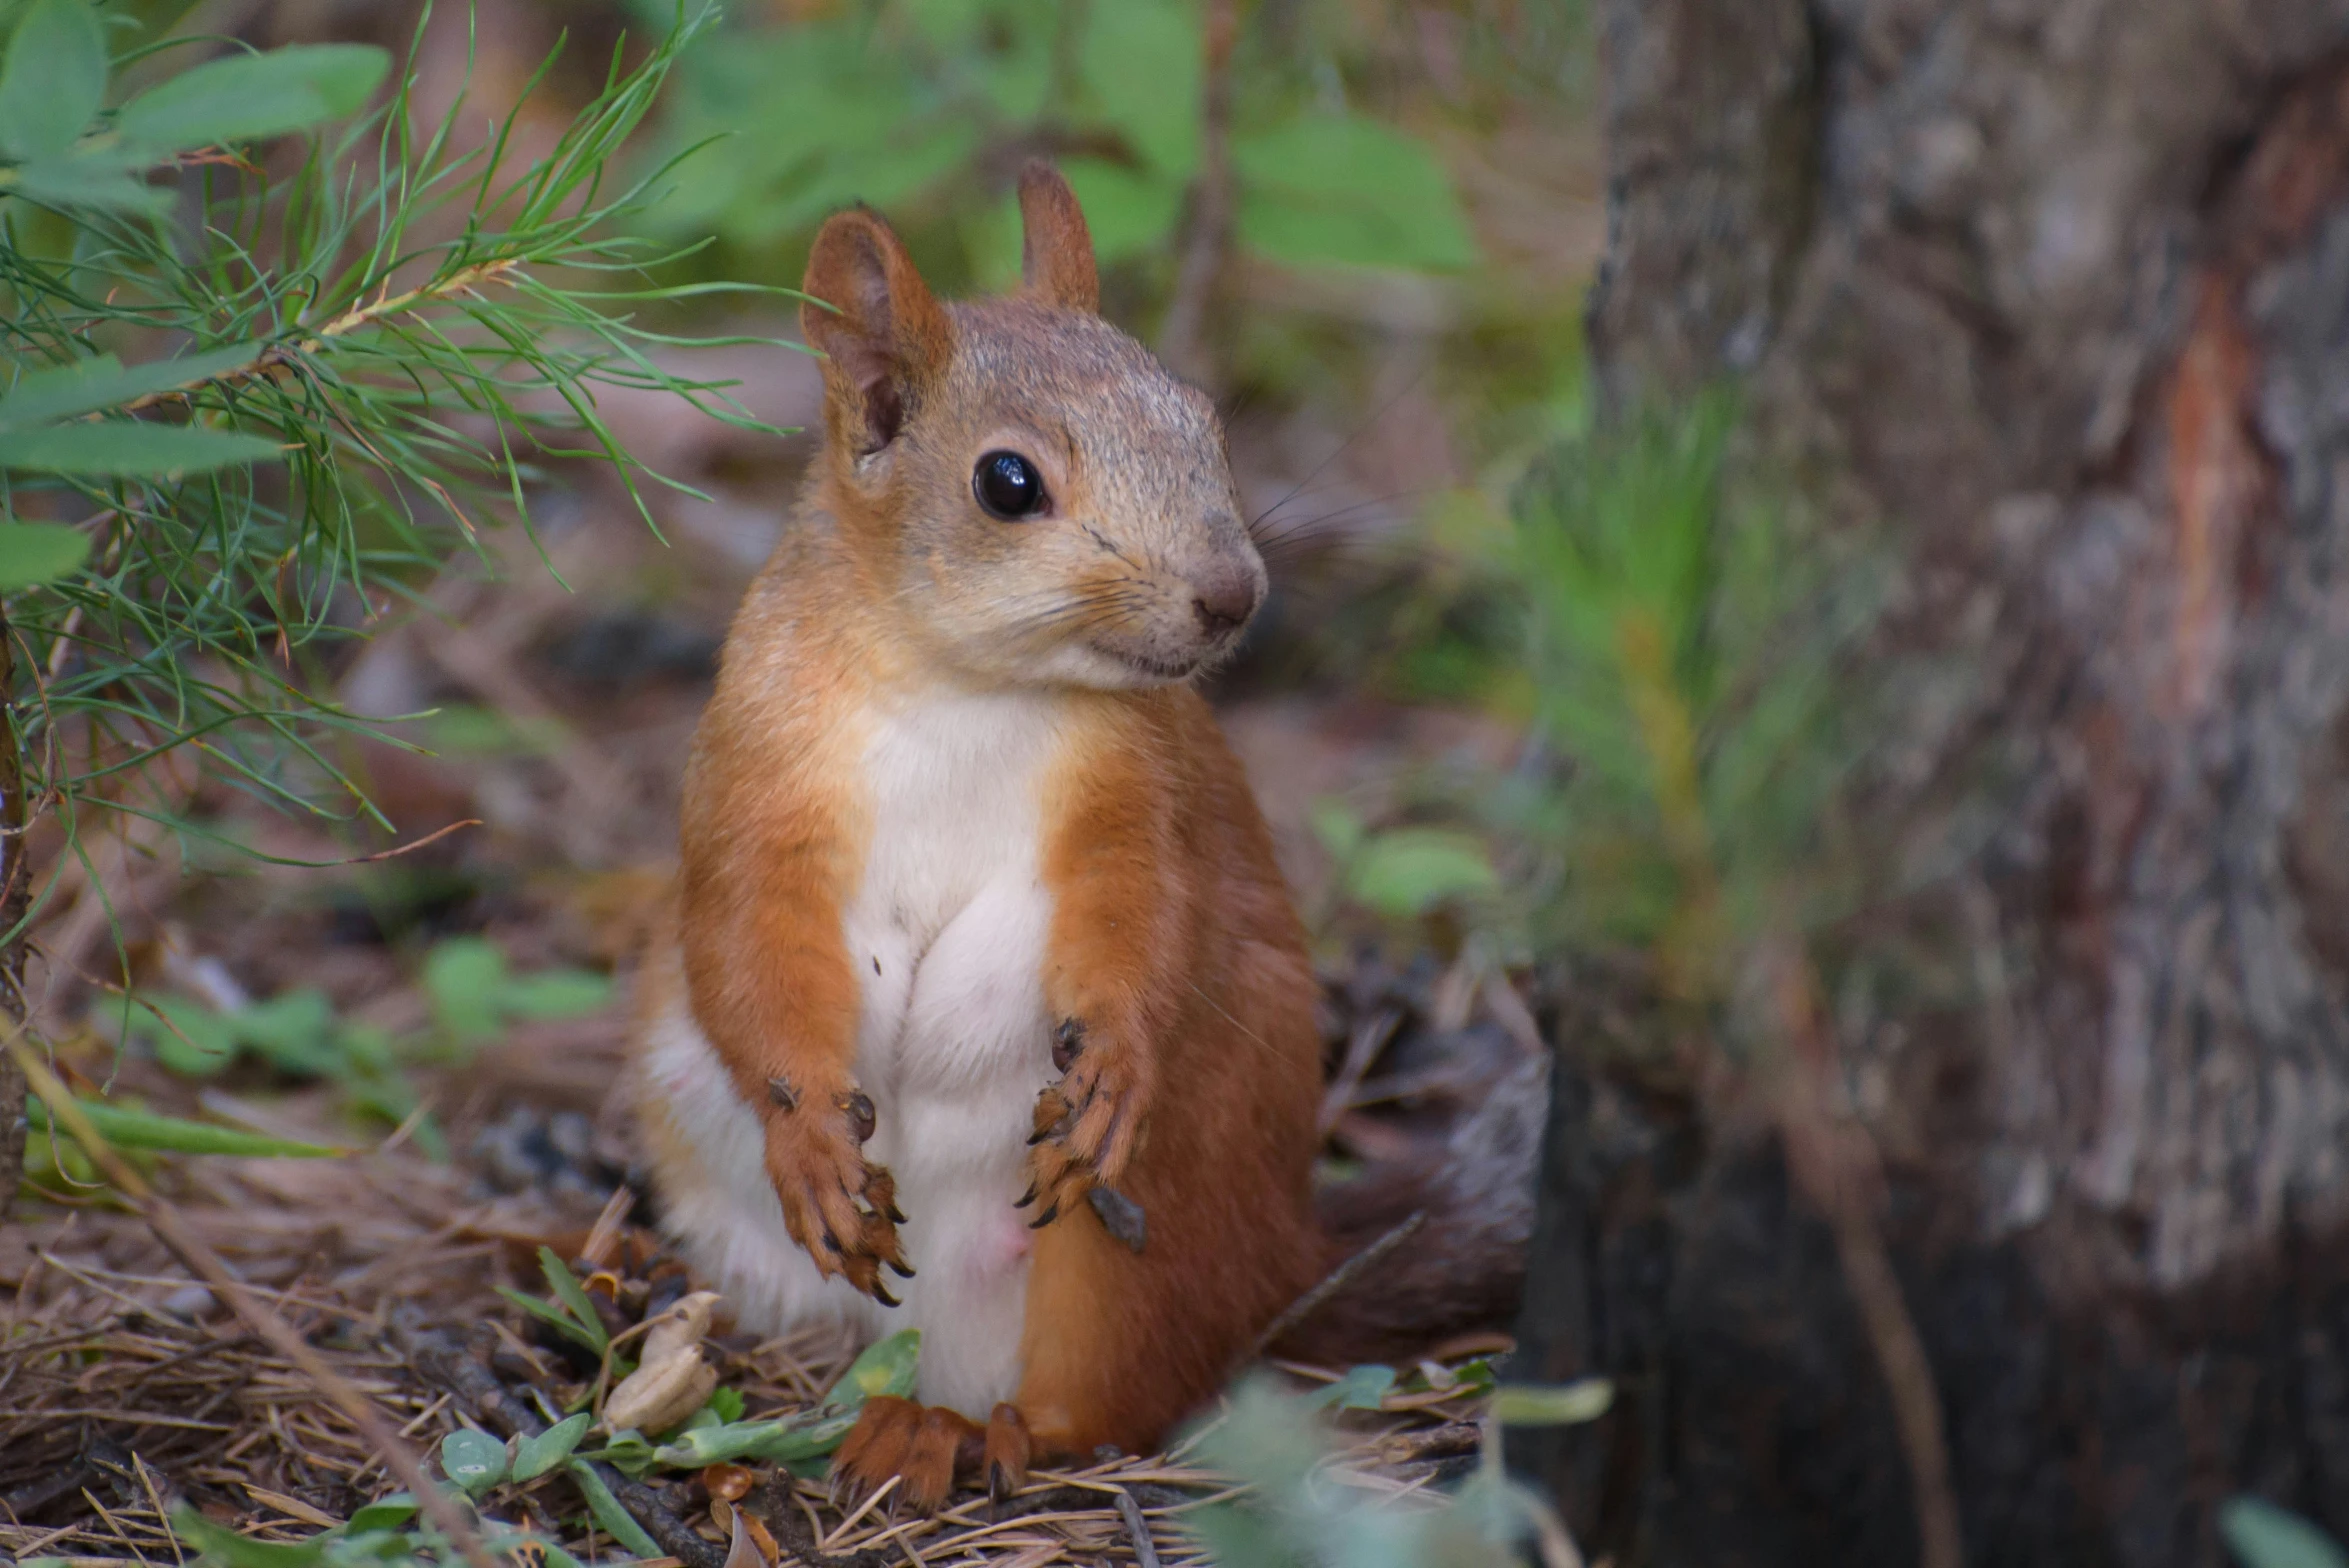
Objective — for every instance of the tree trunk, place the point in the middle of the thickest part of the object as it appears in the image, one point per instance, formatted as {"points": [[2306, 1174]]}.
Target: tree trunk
{"points": [[2054, 293]]}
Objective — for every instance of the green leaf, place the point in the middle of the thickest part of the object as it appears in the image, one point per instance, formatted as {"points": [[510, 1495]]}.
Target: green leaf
{"points": [[463, 979], [1408, 871], [725, 1404], [568, 1291], [246, 97], [190, 1040], [385, 1513], [1141, 62], [1337, 826], [808, 1435], [629, 1452], [887, 1366], [1559, 1404], [1130, 211], [86, 177], [618, 1523], [554, 1317], [129, 449], [53, 392], [555, 993], [293, 1031], [535, 1456], [36, 553], [2262, 1535], [128, 1129], [224, 1547], [474, 1460], [53, 79], [1338, 189], [1362, 1388]]}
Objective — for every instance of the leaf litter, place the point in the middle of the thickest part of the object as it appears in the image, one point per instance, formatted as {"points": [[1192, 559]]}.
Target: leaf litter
{"points": [[140, 1420]]}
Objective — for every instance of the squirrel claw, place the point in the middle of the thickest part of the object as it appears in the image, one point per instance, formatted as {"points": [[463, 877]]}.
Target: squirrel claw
{"points": [[1086, 1127], [842, 1210]]}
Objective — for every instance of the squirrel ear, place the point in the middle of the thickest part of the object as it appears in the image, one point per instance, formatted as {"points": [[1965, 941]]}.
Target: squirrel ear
{"points": [[1056, 249], [887, 336]]}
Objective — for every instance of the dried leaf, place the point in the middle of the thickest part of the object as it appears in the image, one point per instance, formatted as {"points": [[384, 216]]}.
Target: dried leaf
{"points": [[674, 1379]]}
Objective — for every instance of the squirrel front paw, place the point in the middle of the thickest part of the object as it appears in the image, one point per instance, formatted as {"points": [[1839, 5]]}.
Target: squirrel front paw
{"points": [[838, 1207], [1087, 1124]]}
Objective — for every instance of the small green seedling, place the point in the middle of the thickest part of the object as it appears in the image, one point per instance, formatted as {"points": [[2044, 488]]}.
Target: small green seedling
{"points": [[570, 1314]]}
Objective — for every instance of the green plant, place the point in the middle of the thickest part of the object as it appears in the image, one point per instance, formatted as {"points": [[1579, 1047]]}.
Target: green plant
{"points": [[471, 994], [1697, 651], [717, 1431], [907, 104], [567, 1309], [256, 394], [1693, 650], [1402, 873], [350, 360], [1300, 1516], [134, 1133]]}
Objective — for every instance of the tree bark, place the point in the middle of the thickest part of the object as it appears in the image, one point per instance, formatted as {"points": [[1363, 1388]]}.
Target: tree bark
{"points": [[2055, 296]]}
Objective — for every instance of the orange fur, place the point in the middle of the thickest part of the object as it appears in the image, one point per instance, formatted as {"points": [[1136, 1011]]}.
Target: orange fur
{"points": [[1174, 968], [1056, 250], [1174, 930]]}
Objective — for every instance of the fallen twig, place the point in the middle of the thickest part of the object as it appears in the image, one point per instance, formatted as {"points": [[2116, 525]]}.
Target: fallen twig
{"points": [[1130, 1511], [173, 1232]]}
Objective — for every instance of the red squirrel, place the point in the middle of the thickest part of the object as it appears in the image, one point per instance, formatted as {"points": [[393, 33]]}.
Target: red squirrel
{"points": [[982, 1006]]}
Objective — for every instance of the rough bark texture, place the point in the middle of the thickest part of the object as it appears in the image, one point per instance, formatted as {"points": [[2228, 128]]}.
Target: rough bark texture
{"points": [[2056, 292]]}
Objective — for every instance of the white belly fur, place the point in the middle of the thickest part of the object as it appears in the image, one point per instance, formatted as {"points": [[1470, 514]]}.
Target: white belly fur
{"points": [[946, 935]]}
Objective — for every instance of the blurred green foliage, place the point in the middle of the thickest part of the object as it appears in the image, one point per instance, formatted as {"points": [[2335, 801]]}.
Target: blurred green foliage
{"points": [[1402, 873], [471, 994], [1298, 1515], [2261, 1535], [1693, 644], [923, 108]]}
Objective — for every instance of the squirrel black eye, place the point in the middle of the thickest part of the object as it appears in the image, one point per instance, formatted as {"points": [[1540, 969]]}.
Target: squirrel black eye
{"points": [[1008, 486]]}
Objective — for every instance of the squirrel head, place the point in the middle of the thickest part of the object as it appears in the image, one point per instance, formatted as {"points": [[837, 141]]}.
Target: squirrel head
{"points": [[1033, 496]]}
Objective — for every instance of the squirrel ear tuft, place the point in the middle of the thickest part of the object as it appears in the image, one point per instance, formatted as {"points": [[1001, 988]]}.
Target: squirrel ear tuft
{"points": [[887, 335], [1056, 250]]}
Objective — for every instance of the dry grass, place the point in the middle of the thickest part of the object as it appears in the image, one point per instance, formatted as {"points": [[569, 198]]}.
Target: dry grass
{"points": [[125, 1388]]}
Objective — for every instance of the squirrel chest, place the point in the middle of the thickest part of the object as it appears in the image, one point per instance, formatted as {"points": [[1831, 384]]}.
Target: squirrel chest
{"points": [[945, 930]]}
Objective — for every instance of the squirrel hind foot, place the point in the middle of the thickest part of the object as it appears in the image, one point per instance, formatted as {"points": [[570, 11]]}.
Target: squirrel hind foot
{"points": [[922, 1446]]}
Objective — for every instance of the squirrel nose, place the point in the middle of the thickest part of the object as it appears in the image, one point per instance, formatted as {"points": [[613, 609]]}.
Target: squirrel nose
{"points": [[1224, 597]]}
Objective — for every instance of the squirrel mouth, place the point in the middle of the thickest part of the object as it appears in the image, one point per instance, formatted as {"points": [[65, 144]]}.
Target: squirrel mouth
{"points": [[1162, 669]]}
